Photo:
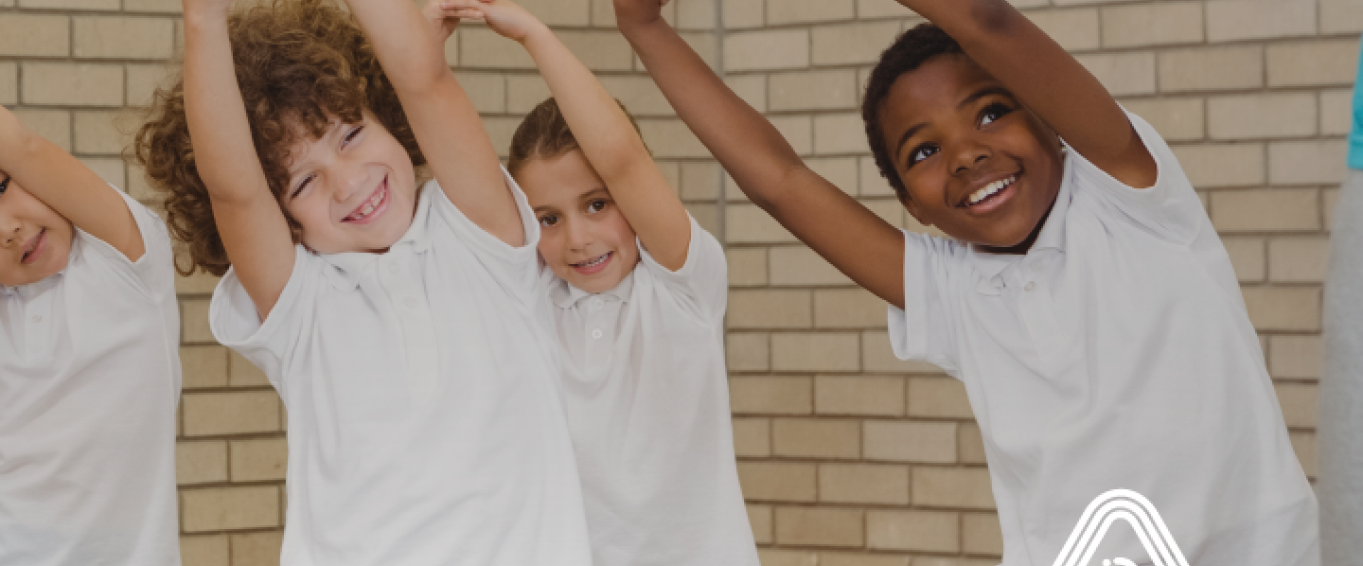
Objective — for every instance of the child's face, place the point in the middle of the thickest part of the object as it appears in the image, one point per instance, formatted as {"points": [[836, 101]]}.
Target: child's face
{"points": [[976, 162], [35, 241], [352, 190], [584, 237]]}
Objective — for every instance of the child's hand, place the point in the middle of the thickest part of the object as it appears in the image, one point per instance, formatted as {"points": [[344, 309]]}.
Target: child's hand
{"points": [[637, 12], [444, 16], [503, 16]]}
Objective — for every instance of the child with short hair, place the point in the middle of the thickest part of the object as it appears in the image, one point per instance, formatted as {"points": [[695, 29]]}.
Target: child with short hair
{"points": [[1084, 299], [89, 365], [638, 292], [399, 323]]}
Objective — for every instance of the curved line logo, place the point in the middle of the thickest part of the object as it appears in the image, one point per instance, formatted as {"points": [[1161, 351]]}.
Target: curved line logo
{"points": [[1128, 506]]}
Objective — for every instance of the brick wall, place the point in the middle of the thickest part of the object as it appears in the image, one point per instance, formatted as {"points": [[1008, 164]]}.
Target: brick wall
{"points": [[848, 457]]}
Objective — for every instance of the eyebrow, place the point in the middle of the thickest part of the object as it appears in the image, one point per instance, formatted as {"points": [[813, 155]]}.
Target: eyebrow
{"points": [[593, 192], [968, 100]]}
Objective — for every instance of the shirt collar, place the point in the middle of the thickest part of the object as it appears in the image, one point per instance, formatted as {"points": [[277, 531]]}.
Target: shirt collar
{"points": [[990, 265], [348, 267], [565, 295]]}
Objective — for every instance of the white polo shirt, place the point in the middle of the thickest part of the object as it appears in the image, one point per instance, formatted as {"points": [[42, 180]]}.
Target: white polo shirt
{"points": [[425, 425], [1117, 353], [647, 398], [89, 382]]}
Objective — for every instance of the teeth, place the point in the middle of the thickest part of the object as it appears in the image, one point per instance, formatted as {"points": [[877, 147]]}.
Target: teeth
{"points": [[989, 190], [369, 205], [594, 262]]}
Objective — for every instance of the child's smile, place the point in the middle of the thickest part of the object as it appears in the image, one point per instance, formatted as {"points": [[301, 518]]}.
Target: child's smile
{"points": [[35, 241], [372, 207]]}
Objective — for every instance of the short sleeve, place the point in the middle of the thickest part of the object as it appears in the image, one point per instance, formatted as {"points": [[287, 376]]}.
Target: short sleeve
{"points": [[515, 268], [268, 344], [155, 270], [1170, 208], [923, 330], [702, 283]]}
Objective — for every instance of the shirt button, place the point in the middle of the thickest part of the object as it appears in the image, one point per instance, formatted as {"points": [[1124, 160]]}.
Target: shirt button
{"points": [[596, 303], [596, 334], [411, 303], [1029, 286]]}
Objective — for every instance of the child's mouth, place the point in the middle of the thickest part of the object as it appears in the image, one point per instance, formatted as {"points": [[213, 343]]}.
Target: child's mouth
{"points": [[988, 197], [373, 207], [593, 265], [34, 248]]}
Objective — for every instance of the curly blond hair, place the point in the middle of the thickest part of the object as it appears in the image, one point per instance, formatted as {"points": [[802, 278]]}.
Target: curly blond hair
{"points": [[300, 64]]}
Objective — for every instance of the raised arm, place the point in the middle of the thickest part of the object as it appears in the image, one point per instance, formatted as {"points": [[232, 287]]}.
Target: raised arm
{"points": [[250, 221], [836, 226], [62, 182], [603, 131], [1048, 80], [446, 125]]}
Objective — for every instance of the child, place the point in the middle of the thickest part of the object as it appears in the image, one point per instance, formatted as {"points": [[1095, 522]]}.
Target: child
{"points": [[1086, 301], [89, 366], [638, 294], [398, 325]]}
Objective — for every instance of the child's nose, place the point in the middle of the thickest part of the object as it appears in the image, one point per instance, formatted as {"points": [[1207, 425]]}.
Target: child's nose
{"points": [[579, 235], [352, 179], [968, 154]]}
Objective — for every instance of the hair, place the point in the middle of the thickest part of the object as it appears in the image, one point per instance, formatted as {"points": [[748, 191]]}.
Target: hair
{"points": [[909, 51], [544, 133], [299, 64]]}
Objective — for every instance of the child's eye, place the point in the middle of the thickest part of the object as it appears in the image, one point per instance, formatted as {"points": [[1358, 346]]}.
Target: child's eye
{"points": [[993, 112], [350, 136], [596, 206], [4, 185], [302, 185], [548, 220], [922, 152]]}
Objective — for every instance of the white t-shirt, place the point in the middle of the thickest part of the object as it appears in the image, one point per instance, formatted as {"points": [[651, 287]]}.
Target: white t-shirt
{"points": [[647, 398], [425, 425], [89, 382], [1117, 353]]}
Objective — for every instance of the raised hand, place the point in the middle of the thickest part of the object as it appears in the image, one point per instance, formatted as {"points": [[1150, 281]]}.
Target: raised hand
{"points": [[503, 16], [444, 17], [637, 12]]}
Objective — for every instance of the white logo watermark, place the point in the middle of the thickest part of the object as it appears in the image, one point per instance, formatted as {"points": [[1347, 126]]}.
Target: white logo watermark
{"points": [[1128, 506]]}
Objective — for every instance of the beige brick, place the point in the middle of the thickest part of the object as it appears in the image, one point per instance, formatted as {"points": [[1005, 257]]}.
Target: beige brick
{"points": [[925, 531], [1298, 401], [124, 38], [1234, 20], [1211, 68], [848, 308], [500, 129], [800, 266], [803, 11], [816, 438], [748, 224], [767, 49], [706, 45], [858, 559], [878, 356], [259, 460], [242, 373], [1341, 16], [109, 169], [560, 12], [846, 395], [1074, 29], [144, 78], [815, 351], [52, 125], [1141, 25], [938, 397], [856, 43], [798, 131], [204, 550], [766, 308], [1284, 308], [1176, 119], [482, 48], [194, 322], [970, 444], [780, 557], [164, 6], [1271, 115], [1304, 444], [981, 534], [813, 90], [199, 283], [771, 395], [748, 351], [760, 519], [639, 94], [812, 526], [200, 462], [1124, 74], [75, 84], [9, 83], [1336, 112], [203, 366], [671, 139], [892, 211], [1247, 256], [1307, 162], [69, 4], [840, 171], [699, 180], [751, 88], [696, 14], [598, 50], [839, 133], [752, 438], [1313, 63], [952, 487], [872, 484], [747, 266], [1329, 198], [488, 91], [231, 413], [1223, 165], [881, 9], [1266, 210], [909, 441], [1294, 357], [257, 549], [229, 508], [524, 93], [32, 35], [1298, 259], [101, 132], [778, 481]]}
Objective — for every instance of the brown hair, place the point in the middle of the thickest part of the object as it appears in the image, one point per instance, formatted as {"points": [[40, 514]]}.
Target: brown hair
{"points": [[299, 64], [544, 133]]}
